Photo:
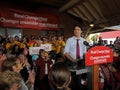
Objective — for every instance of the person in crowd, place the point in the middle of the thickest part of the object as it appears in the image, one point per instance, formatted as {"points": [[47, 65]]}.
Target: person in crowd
{"points": [[108, 79], [9, 44], [2, 42], [43, 64], [117, 43], [60, 76], [24, 49], [14, 64], [26, 60], [59, 43], [116, 68], [75, 50], [23, 41], [2, 58], [111, 45], [53, 49], [25, 52], [16, 50], [116, 59], [32, 40], [35, 56], [26, 67], [116, 74], [45, 40], [105, 42], [100, 41], [10, 80], [16, 40]]}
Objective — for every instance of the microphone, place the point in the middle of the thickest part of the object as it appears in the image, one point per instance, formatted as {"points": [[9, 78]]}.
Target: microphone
{"points": [[86, 43]]}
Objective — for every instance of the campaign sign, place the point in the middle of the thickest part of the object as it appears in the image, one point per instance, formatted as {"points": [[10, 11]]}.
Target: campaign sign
{"points": [[35, 50], [98, 55], [46, 47]]}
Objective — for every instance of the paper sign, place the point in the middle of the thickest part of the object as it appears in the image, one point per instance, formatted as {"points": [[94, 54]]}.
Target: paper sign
{"points": [[46, 47], [35, 50]]}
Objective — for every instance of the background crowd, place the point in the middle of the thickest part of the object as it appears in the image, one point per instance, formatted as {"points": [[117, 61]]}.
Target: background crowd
{"points": [[21, 71]]}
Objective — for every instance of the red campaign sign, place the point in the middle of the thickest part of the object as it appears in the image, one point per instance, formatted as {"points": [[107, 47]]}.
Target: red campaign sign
{"points": [[22, 19], [98, 55]]}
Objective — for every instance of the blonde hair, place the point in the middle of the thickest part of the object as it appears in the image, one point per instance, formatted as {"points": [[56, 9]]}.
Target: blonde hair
{"points": [[10, 78], [60, 76]]}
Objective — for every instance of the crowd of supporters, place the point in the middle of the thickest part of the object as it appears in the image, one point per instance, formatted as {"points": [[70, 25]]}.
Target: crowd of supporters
{"points": [[33, 69]]}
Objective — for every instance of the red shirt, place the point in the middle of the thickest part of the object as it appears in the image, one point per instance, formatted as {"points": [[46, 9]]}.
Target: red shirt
{"points": [[40, 63]]}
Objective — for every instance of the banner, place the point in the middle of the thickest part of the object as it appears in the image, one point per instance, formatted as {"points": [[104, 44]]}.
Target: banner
{"points": [[99, 55], [35, 50], [21, 19]]}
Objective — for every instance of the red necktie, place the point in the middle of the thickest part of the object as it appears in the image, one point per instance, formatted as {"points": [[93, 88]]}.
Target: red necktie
{"points": [[77, 50]]}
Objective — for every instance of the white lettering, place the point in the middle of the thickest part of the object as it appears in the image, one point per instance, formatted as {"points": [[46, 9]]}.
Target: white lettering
{"points": [[99, 61], [48, 25], [22, 16], [99, 57], [29, 23], [8, 21]]}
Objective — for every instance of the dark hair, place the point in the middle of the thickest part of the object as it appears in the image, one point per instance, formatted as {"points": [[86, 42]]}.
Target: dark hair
{"points": [[77, 26], [40, 51], [60, 76], [2, 51], [4, 85], [16, 37]]}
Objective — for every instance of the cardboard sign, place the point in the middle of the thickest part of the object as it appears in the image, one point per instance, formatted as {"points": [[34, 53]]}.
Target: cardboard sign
{"points": [[99, 55], [35, 50], [46, 47]]}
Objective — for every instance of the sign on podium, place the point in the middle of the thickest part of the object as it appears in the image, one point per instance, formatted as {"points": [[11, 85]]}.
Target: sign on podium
{"points": [[98, 55]]}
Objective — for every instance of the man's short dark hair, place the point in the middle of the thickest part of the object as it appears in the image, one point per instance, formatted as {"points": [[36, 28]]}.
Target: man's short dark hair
{"points": [[77, 26]]}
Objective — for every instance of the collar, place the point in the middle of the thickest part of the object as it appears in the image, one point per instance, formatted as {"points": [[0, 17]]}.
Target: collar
{"points": [[77, 38]]}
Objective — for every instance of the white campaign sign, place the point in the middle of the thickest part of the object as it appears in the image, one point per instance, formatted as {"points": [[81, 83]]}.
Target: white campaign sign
{"points": [[46, 47], [35, 50]]}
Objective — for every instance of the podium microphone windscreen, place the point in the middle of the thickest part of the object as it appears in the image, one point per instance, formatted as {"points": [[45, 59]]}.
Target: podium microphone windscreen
{"points": [[86, 43]]}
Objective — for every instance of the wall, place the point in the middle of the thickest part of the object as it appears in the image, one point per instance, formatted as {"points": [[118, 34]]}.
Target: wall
{"points": [[66, 21]]}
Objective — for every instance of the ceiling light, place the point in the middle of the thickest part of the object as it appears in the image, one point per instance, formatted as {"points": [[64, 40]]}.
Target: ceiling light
{"points": [[91, 25]]}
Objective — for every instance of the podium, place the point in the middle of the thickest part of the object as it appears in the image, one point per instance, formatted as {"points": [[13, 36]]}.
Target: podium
{"points": [[89, 72], [95, 56]]}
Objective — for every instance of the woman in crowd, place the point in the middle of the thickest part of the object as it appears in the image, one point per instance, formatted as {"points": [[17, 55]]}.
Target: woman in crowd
{"points": [[24, 40], [16, 40], [14, 64], [9, 45], [10, 80], [60, 76]]}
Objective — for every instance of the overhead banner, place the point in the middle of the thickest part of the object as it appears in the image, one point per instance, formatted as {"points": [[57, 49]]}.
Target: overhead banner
{"points": [[99, 55], [21, 19]]}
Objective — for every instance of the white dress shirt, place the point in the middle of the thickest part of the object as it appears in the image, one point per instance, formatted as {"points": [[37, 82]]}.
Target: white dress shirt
{"points": [[71, 47]]}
